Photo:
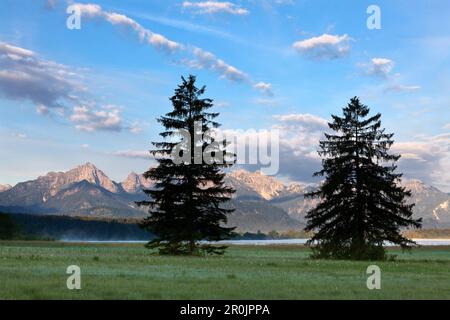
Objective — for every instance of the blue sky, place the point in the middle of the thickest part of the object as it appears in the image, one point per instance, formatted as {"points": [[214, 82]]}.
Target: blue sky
{"points": [[72, 96]]}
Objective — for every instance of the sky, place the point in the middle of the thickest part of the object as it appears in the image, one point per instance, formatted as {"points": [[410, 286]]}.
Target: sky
{"points": [[70, 96]]}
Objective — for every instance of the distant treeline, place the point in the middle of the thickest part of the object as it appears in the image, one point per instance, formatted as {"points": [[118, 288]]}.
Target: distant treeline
{"points": [[72, 228], [53, 227]]}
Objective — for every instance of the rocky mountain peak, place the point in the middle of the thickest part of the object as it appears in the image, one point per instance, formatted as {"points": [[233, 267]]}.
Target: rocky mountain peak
{"points": [[419, 187], [82, 191], [5, 187], [92, 174], [267, 187], [135, 183], [296, 188], [55, 181]]}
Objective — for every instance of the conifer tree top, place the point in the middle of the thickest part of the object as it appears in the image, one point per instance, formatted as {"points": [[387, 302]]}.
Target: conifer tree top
{"points": [[363, 204], [188, 202]]}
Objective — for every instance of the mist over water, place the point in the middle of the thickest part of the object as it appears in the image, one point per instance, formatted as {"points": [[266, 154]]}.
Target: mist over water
{"points": [[422, 242]]}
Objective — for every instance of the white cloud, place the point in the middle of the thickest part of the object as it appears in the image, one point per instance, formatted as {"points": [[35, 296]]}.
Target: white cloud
{"points": [[41, 109], [299, 139], [51, 4], [20, 135], [196, 57], [304, 120], [271, 5], [284, 1], [135, 128], [270, 102], [134, 154], [221, 104], [264, 87], [154, 39], [26, 76], [206, 60], [396, 87], [212, 7], [380, 67], [185, 25], [301, 132], [88, 119], [427, 159], [299, 136], [15, 53], [325, 46], [53, 88]]}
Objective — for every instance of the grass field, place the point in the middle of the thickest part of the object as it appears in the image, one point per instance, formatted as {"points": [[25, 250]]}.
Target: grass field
{"points": [[36, 270]]}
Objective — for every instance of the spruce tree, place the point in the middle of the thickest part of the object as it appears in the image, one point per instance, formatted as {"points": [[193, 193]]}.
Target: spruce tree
{"points": [[362, 203], [187, 203]]}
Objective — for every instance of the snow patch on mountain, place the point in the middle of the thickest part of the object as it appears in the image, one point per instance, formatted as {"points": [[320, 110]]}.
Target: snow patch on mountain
{"points": [[5, 187]]}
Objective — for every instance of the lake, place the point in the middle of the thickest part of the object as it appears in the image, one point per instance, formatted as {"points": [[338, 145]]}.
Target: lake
{"points": [[422, 242]]}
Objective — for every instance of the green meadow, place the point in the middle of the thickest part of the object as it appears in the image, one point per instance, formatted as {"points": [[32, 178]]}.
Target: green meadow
{"points": [[37, 270]]}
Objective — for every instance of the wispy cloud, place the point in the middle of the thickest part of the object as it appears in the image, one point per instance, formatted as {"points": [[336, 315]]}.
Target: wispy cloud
{"points": [[300, 134], [382, 68], [156, 40], [55, 89], [305, 120], [378, 67], [426, 158], [206, 60], [212, 7], [19, 135], [326, 46], [269, 101], [264, 87], [135, 128], [51, 4], [194, 57], [134, 154], [284, 1], [184, 25], [106, 118], [26, 76], [397, 87]]}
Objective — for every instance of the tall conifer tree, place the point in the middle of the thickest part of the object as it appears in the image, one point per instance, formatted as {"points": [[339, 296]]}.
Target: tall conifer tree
{"points": [[186, 201], [362, 203]]}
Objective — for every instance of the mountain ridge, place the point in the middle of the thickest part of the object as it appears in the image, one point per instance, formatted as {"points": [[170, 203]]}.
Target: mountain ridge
{"points": [[5, 187], [262, 202]]}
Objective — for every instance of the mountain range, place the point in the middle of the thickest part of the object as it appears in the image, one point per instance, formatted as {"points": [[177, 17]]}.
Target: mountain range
{"points": [[261, 202]]}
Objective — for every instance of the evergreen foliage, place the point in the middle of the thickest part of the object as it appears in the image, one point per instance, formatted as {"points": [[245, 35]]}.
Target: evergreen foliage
{"points": [[186, 204], [362, 203]]}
